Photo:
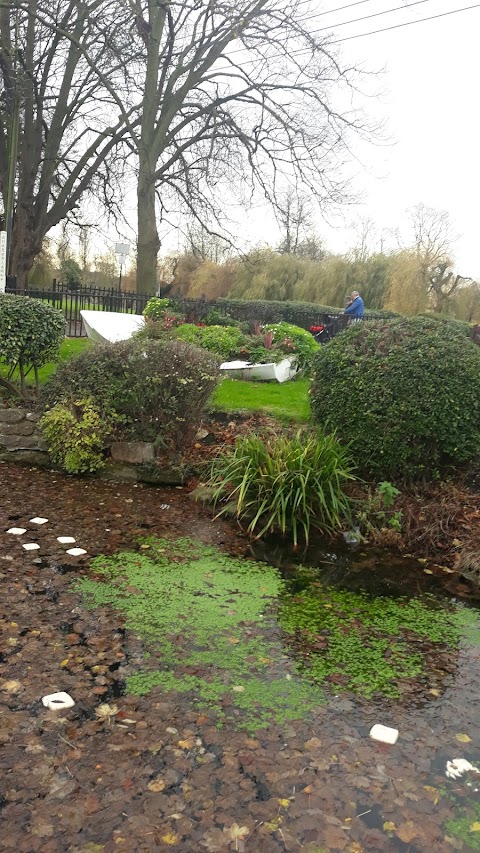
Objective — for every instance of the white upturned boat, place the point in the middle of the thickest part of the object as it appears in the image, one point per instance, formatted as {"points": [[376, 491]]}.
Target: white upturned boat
{"points": [[109, 327], [280, 371]]}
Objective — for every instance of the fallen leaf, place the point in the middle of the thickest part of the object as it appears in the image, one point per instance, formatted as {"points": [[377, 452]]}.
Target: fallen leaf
{"points": [[156, 785], [475, 827], [188, 743], [238, 688], [463, 738], [407, 831], [171, 838], [237, 832], [389, 826]]}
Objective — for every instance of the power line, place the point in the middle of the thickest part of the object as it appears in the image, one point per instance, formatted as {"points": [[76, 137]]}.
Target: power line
{"points": [[406, 24], [374, 15], [306, 51]]}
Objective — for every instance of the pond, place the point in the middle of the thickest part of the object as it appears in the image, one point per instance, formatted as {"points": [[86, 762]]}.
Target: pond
{"points": [[222, 701]]}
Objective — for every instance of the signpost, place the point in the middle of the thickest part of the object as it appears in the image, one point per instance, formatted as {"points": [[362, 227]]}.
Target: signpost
{"points": [[3, 260]]}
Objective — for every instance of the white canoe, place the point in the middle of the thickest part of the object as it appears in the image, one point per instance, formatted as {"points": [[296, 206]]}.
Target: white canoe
{"points": [[107, 326], [280, 371]]}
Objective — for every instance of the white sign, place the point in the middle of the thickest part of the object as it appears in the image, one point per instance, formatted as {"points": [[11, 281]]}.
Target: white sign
{"points": [[3, 260], [122, 248]]}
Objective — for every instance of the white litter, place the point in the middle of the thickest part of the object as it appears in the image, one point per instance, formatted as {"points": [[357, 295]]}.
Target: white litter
{"points": [[31, 546], [384, 733], [58, 701], [76, 552], [17, 531], [66, 540], [164, 506], [458, 767], [38, 520]]}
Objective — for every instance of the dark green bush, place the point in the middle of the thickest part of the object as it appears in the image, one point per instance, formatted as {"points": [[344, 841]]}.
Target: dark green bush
{"points": [[295, 341], [285, 484], [404, 393], [31, 332], [158, 387], [303, 314]]}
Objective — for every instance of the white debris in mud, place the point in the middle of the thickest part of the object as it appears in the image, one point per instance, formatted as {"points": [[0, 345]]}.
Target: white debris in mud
{"points": [[458, 766], [384, 733], [38, 520], [66, 540], [76, 552], [30, 546], [58, 701], [17, 531]]}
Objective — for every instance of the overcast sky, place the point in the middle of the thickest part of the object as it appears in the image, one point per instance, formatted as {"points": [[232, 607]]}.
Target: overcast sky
{"points": [[431, 104]]}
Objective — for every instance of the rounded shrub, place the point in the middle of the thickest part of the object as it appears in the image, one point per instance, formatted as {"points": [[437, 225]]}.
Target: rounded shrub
{"points": [[405, 394], [31, 332], [157, 387], [285, 484]]}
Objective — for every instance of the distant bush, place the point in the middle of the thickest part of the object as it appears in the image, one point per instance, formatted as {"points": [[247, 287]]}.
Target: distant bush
{"points": [[76, 435], [286, 484], [31, 332], [159, 388], [405, 394]]}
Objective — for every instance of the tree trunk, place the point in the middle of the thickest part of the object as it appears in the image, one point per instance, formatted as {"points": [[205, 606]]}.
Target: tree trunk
{"points": [[148, 244]]}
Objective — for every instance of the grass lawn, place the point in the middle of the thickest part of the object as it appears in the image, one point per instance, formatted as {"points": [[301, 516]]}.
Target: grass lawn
{"points": [[288, 400], [285, 401]]}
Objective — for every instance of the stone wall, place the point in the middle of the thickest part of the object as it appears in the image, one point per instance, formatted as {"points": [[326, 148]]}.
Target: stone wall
{"points": [[131, 461], [20, 437]]}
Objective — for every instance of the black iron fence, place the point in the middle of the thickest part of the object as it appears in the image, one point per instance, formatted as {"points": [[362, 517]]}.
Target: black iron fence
{"points": [[90, 298]]}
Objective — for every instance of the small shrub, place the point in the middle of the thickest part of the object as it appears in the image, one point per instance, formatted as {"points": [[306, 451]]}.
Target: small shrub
{"points": [[158, 387], [292, 340], [219, 318], [76, 435], [405, 394], [377, 514], [285, 484], [224, 341], [31, 332], [156, 308]]}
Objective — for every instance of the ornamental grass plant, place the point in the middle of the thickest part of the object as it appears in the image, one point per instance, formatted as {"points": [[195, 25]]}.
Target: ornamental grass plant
{"points": [[288, 485]]}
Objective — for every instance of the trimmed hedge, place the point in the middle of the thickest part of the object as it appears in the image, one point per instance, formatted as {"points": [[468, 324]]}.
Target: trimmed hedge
{"points": [[303, 314], [404, 393]]}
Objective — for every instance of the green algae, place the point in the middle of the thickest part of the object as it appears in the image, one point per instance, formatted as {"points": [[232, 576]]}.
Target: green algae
{"points": [[219, 628], [466, 824], [206, 616], [371, 643]]}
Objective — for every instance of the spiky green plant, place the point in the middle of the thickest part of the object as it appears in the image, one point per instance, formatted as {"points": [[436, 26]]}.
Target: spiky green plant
{"points": [[285, 484]]}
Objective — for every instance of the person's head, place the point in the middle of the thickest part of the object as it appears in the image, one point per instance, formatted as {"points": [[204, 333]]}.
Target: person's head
{"points": [[355, 293]]}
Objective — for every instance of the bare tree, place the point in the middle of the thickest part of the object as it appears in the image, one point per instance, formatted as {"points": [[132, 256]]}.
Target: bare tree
{"points": [[433, 244], [69, 128], [233, 94]]}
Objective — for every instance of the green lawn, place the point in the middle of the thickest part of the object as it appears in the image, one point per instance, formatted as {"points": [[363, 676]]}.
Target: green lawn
{"points": [[288, 400]]}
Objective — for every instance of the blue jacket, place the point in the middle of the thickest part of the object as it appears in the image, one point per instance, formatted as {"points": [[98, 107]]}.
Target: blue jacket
{"points": [[356, 308]]}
